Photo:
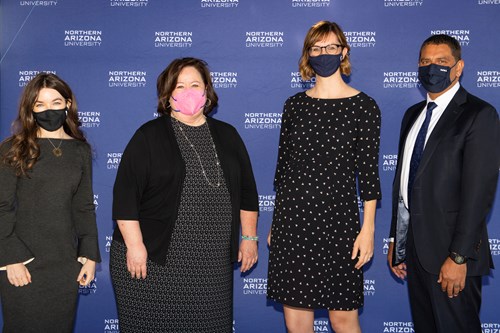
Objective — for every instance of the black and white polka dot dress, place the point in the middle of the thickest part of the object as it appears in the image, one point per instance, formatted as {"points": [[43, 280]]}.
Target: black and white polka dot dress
{"points": [[324, 145], [193, 292]]}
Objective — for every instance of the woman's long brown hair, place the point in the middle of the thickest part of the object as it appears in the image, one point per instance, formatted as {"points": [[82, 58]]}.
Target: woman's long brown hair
{"points": [[21, 150]]}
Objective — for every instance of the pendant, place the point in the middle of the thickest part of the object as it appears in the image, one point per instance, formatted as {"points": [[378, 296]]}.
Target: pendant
{"points": [[57, 152]]}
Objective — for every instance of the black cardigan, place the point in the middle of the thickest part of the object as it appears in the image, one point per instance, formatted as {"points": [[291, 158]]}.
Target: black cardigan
{"points": [[149, 182]]}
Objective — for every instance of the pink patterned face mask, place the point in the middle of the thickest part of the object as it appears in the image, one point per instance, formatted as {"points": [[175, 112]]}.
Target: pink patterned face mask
{"points": [[189, 101]]}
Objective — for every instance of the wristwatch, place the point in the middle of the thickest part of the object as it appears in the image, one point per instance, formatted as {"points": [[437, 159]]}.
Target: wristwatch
{"points": [[457, 258]]}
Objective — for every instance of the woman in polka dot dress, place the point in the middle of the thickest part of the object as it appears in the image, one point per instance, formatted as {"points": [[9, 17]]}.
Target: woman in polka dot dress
{"points": [[329, 139]]}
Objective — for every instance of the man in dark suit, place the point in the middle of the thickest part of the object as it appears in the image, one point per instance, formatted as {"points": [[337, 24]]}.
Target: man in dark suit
{"points": [[443, 190]]}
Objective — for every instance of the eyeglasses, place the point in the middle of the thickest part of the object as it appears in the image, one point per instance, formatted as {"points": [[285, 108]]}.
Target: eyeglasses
{"points": [[315, 51]]}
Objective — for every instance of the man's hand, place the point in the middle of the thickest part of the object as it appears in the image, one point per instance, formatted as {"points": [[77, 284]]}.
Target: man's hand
{"points": [[452, 277], [399, 270]]}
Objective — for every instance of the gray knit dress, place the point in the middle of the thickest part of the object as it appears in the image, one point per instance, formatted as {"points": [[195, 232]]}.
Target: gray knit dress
{"points": [[48, 216]]}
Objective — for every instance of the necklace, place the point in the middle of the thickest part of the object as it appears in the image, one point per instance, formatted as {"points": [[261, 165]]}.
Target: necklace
{"points": [[57, 151], [217, 162]]}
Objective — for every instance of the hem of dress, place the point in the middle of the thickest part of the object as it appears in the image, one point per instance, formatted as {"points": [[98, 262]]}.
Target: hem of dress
{"points": [[313, 307]]}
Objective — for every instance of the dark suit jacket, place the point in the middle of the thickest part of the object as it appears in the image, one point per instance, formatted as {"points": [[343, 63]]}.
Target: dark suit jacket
{"points": [[455, 184]]}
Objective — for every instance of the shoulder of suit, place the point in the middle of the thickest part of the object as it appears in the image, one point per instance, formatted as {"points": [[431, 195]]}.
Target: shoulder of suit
{"points": [[418, 107], [478, 103]]}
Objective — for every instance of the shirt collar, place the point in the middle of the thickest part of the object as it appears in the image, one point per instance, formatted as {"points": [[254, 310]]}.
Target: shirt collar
{"points": [[445, 99]]}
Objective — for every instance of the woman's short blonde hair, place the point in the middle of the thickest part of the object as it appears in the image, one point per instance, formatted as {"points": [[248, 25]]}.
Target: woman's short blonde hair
{"points": [[319, 32]]}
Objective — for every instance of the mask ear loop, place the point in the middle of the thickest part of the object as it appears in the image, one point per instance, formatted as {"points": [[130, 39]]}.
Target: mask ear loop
{"points": [[456, 76]]}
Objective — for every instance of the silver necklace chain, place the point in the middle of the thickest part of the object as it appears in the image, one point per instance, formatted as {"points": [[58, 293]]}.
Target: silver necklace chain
{"points": [[217, 162]]}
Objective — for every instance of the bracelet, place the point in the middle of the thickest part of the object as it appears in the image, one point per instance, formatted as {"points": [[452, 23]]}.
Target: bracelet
{"points": [[251, 238]]}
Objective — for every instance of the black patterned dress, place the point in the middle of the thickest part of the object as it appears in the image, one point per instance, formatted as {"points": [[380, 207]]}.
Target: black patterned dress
{"points": [[324, 145], [193, 291]]}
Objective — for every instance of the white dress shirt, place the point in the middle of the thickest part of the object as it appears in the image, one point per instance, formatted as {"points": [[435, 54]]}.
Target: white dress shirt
{"points": [[441, 102]]}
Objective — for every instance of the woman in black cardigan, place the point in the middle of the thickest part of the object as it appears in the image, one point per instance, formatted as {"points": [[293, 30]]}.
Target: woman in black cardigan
{"points": [[184, 188]]}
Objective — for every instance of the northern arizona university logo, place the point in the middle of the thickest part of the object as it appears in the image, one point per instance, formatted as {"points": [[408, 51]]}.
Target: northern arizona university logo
{"points": [[461, 35], [254, 286], [89, 119], [490, 327], [90, 289], [262, 120], [264, 39], [266, 202], [361, 38], [27, 75], [398, 327], [127, 79], [296, 81], [488, 78], [400, 80], [113, 160], [224, 79], [85, 38], [111, 326], [173, 39]]}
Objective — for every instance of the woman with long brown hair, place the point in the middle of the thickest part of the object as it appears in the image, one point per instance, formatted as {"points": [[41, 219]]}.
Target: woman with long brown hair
{"points": [[48, 233]]}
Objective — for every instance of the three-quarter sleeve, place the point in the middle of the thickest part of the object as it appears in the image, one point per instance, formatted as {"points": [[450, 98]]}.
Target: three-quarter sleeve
{"points": [[12, 248], [367, 150], [83, 211], [283, 148], [131, 179]]}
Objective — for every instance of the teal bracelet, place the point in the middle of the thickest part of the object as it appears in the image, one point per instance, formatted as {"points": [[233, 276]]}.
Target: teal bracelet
{"points": [[251, 238]]}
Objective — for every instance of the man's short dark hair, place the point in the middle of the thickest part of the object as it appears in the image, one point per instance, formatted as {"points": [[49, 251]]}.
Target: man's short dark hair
{"points": [[454, 45]]}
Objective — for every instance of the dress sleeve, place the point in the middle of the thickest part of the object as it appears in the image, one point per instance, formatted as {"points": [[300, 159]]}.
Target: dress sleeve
{"points": [[12, 248], [283, 148], [367, 150], [83, 211], [131, 179]]}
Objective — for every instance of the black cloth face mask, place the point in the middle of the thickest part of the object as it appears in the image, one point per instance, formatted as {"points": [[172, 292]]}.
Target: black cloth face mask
{"points": [[435, 78], [50, 120], [326, 64]]}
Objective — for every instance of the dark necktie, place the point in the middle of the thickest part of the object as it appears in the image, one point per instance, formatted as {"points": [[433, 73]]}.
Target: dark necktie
{"points": [[418, 149]]}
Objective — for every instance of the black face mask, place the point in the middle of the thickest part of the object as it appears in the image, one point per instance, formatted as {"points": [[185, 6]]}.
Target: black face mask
{"points": [[325, 64], [435, 78], [50, 120]]}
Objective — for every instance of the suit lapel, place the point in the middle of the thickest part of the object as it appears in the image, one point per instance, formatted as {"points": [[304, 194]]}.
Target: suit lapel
{"points": [[445, 123], [413, 115]]}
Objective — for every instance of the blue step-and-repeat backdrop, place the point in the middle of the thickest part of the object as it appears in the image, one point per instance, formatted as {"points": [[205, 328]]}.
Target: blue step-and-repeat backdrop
{"points": [[111, 52]]}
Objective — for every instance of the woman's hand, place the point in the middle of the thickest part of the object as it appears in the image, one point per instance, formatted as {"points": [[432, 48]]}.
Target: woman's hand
{"points": [[269, 238], [248, 254], [18, 275], [87, 273], [137, 256], [363, 247]]}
